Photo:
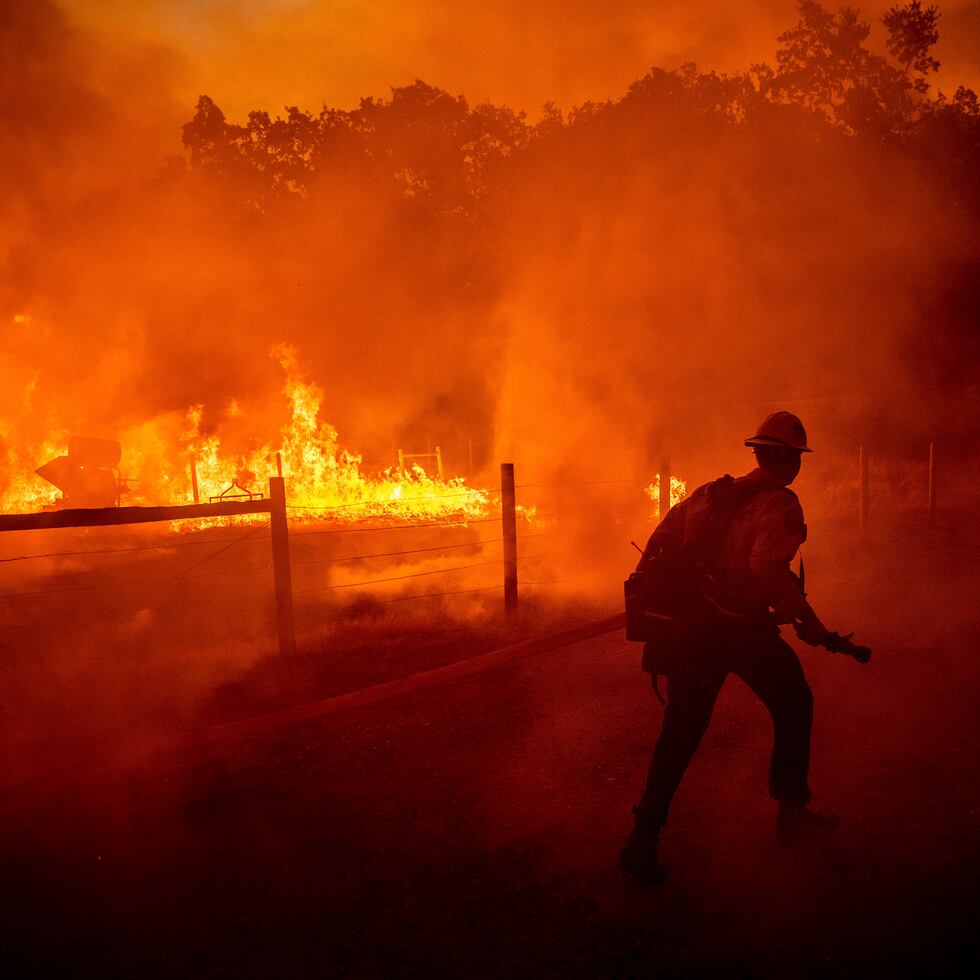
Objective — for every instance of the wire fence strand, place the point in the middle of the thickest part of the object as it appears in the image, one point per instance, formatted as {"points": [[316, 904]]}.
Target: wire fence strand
{"points": [[183, 573], [399, 578], [395, 527], [251, 534], [188, 544], [142, 583], [115, 551], [412, 551], [393, 554]]}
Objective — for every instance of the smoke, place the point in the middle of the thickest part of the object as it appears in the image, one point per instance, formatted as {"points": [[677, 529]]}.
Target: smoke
{"points": [[645, 280], [648, 280], [682, 292], [83, 122]]}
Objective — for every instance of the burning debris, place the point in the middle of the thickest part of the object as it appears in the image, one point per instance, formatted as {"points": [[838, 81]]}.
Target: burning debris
{"points": [[88, 476]]}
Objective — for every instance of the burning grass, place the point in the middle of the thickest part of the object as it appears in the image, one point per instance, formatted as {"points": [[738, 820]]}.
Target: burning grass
{"points": [[323, 478]]}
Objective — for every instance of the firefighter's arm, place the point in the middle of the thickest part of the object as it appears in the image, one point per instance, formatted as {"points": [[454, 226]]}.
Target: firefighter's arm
{"points": [[780, 537], [811, 631], [781, 532]]}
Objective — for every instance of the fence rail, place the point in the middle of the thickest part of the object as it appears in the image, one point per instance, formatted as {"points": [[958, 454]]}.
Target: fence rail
{"points": [[112, 516]]}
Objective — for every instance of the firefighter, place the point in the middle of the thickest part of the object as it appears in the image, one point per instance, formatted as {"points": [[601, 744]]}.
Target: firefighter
{"points": [[756, 592]]}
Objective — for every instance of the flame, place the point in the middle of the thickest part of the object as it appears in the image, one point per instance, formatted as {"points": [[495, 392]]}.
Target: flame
{"points": [[323, 479], [24, 491], [321, 476], [678, 489]]}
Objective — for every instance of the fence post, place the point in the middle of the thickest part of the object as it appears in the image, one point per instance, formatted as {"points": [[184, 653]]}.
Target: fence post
{"points": [[193, 459], [509, 508], [439, 463], [280, 567], [664, 487], [864, 494], [932, 482]]}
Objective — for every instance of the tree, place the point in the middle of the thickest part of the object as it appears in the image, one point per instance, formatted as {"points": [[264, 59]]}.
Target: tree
{"points": [[210, 139], [824, 66], [912, 32]]}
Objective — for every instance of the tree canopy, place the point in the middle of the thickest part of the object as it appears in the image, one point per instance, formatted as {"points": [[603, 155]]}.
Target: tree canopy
{"points": [[436, 152]]}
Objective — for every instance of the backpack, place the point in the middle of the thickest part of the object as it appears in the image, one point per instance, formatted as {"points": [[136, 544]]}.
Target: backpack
{"points": [[670, 597]]}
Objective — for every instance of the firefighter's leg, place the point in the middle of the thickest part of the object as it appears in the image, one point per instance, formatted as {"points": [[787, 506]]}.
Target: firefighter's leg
{"points": [[772, 670], [691, 696]]}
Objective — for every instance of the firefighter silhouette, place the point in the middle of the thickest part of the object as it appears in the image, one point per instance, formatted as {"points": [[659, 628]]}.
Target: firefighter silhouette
{"points": [[734, 539]]}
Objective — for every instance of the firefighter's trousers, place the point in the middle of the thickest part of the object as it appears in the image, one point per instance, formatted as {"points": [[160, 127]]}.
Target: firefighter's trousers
{"points": [[770, 667]]}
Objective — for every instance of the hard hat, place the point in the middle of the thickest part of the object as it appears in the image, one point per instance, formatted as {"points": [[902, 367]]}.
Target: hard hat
{"points": [[781, 429]]}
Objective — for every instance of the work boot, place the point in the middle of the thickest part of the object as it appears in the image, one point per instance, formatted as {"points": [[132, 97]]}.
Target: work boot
{"points": [[638, 856], [797, 824]]}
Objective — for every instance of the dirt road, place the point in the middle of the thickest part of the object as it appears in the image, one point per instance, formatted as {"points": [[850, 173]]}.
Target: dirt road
{"points": [[471, 829]]}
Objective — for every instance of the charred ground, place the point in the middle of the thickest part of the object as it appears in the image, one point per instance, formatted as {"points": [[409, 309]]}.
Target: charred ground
{"points": [[473, 827]]}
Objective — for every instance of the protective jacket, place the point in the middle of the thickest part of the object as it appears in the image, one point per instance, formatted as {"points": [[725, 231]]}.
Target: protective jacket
{"points": [[752, 563]]}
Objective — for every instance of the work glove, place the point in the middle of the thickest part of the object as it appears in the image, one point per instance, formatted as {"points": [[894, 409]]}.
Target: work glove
{"points": [[836, 643]]}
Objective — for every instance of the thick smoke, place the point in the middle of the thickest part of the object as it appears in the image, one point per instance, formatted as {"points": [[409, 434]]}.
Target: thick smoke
{"points": [[84, 122], [644, 277]]}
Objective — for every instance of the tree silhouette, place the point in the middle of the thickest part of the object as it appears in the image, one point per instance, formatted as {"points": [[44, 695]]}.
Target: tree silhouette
{"points": [[824, 66], [439, 156], [912, 32]]}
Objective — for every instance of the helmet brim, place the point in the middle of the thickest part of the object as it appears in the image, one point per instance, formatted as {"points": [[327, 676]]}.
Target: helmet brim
{"points": [[777, 443]]}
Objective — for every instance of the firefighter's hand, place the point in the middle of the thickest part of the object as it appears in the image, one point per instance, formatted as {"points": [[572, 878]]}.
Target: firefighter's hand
{"points": [[843, 644], [811, 631]]}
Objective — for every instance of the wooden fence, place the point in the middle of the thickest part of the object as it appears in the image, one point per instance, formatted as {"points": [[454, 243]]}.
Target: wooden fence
{"points": [[275, 506]]}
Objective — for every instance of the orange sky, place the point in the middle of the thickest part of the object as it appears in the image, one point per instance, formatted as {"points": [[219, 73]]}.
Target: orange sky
{"points": [[267, 53]]}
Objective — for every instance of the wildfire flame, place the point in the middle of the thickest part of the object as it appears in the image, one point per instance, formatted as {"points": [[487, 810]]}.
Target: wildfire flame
{"points": [[678, 488], [322, 476], [24, 491], [323, 479]]}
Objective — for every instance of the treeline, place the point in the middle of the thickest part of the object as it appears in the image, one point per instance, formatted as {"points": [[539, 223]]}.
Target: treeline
{"points": [[436, 153]]}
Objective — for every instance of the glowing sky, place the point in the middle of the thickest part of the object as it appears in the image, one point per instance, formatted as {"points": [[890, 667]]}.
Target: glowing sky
{"points": [[268, 53]]}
